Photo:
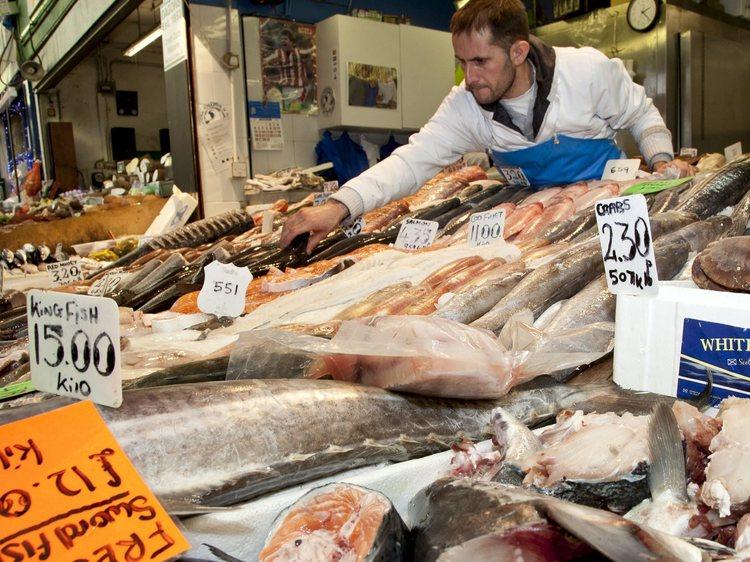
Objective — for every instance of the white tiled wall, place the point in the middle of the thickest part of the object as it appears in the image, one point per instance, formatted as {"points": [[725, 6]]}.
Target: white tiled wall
{"points": [[215, 84]]}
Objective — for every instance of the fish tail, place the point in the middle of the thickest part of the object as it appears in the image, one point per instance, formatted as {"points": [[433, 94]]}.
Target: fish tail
{"points": [[667, 472]]}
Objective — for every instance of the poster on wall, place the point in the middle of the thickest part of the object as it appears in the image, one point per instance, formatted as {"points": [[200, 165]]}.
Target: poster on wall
{"points": [[288, 65], [372, 86]]}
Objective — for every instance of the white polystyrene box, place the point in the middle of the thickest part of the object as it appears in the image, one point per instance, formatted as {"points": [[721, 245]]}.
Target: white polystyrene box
{"points": [[649, 332]]}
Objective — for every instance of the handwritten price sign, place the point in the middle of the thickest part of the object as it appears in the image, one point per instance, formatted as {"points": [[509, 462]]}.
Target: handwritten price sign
{"points": [[68, 492], [625, 236], [107, 283], [353, 227], [415, 234], [621, 169], [64, 273], [223, 291], [486, 228], [74, 346], [514, 176]]}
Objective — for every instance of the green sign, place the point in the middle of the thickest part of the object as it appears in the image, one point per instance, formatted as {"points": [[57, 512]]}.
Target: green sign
{"points": [[647, 187], [16, 389]]}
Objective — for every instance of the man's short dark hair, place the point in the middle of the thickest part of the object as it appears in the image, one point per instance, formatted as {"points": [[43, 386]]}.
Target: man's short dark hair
{"points": [[288, 33], [506, 20]]}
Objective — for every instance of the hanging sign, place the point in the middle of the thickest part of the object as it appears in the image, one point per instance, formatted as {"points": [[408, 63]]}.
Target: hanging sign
{"points": [[514, 176], [621, 169], [625, 237], [64, 272], [72, 494], [74, 346], [415, 234], [223, 291], [486, 228]]}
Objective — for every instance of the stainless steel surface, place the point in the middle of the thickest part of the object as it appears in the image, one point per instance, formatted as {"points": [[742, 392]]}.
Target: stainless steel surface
{"points": [[717, 49]]}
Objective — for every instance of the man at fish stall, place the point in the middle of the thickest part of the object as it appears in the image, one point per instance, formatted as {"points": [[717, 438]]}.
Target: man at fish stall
{"points": [[552, 111]]}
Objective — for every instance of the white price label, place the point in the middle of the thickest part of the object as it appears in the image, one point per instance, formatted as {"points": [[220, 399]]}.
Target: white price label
{"points": [[223, 291], [64, 272], [486, 228], [320, 198], [107, 283], [267, 225], [514, 176], [415, 234], [353, 227], [621, 170], [689, 152], [331, 186], [74, 346], [627, 249], [733, 151]]}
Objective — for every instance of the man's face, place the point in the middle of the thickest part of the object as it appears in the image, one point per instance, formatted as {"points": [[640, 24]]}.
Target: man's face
{"points": [[487, 67]]}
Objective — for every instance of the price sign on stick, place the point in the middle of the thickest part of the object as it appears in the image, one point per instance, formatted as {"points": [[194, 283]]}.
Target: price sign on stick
{"points": [[353, 227], [621, 170], [415, 234], [64, 272], [733, 151], [486, 228], [223, 291], [514, 176], [71, 493], [74, 346], [107, 283], [627, 249]]}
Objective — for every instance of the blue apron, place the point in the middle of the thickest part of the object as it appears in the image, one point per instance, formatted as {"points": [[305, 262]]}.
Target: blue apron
{"points": [[561, 160]]}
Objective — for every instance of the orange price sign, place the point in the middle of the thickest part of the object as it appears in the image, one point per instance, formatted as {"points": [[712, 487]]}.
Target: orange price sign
{"points": [[69, 492]]}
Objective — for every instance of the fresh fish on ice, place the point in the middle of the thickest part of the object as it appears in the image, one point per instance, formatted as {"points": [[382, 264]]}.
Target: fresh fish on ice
{"points": [[721, 189]]}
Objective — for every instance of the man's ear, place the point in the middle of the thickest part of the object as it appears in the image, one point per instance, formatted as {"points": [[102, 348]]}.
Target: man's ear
{"points": [[519, 51]]}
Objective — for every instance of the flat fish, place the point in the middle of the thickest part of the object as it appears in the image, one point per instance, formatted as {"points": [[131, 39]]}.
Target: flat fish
{"points": [[337, 522]]}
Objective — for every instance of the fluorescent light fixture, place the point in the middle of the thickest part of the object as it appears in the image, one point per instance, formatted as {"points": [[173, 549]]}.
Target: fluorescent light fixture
{"points": [[143, 42]]}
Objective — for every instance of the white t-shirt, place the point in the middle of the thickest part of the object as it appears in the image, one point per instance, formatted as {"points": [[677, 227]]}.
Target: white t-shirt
{"points": [[521, 109]]}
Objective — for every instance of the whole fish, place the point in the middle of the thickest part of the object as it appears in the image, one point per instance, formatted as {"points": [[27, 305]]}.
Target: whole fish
{"points": [[370, 304], [740, 217], [665, 201], [191, 235], [562, 230], [194, 372], [469, 304], [723, 188], [593, 195], [542, 196], [559, 210], [521, 217]]}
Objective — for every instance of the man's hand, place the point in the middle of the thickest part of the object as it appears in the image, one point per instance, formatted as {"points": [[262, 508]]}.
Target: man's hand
{"points": [[683, 168], [318, 221]]}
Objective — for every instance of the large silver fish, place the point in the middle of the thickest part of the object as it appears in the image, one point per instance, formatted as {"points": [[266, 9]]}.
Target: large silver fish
{"points": [[721, 189], [219, 443]]}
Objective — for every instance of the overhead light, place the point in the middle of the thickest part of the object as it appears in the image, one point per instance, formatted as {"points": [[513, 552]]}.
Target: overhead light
{"points": [[143, 42], [460, 3]]}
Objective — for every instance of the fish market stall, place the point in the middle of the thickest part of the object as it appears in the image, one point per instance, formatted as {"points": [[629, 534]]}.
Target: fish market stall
{"points": [[434, 397]]}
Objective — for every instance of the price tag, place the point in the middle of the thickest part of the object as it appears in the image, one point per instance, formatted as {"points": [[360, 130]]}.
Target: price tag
{"points": [[514, 176], [107, 283], [353, 227], [95, 201], [73, 494], [74, 346], [621, 170], [64, 272], [689, 152], [486, 228], [331, 187], [655, 186], [223, 291], [625, 237], [415, 234], [320, 198], [267, 225], [733, 151]]}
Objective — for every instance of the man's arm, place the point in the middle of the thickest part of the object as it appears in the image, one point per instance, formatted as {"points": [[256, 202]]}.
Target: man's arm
{"points": [[450, 133], [625, 105]]}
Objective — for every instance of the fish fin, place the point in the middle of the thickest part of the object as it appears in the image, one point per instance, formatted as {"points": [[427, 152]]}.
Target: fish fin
{"points": [[185, 508], [667, 471], [703, 400], [711, 547], [221, 555]]}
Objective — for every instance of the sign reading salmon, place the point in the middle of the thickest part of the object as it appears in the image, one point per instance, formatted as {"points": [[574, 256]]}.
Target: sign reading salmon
{"points": [[69, 492]]}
